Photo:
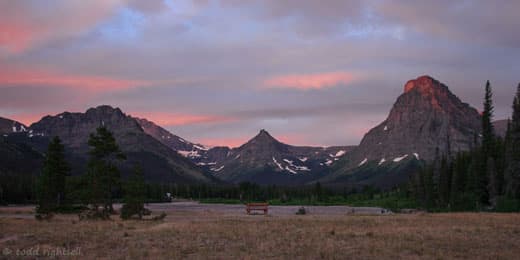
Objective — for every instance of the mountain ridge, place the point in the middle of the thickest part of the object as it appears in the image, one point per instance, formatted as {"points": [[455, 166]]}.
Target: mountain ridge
{"points": [[426, 120], [160, 163]]}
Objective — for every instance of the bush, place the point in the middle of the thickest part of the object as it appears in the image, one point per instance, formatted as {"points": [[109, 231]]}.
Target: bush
{"points": [[160, 217], [44, 216], [93, 214], [70, 209], [301, 211], [130, 210]]}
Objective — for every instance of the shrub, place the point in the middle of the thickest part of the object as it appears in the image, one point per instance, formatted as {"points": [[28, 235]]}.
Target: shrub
{"points": [[160, 217]]}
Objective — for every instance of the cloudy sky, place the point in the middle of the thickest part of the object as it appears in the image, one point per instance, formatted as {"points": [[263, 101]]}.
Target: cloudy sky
{"points": [[216, 71]]}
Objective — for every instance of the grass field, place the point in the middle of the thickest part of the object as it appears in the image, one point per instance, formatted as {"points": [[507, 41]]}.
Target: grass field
{"points": [[207, 234]]}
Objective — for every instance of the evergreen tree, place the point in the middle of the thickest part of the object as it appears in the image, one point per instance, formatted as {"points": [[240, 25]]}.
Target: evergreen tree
{"points": [[318, 191], [102, 173], [458, 180], [444, 182], [487, 148], [135, 194], [512, 156], [51, 183], [488, 132], [492, 183]]}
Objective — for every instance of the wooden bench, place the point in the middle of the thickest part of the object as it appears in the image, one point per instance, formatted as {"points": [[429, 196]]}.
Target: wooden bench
{"points": [[257, 206]]}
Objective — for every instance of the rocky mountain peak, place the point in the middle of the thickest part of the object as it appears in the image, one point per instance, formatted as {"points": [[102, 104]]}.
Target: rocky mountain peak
{"points": [[263, 137], [74, 128], [423, 84], [104, 110], [427, 117]]}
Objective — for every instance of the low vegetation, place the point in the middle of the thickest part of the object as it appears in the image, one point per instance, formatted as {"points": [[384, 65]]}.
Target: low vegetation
{"points": [[211, 235]]}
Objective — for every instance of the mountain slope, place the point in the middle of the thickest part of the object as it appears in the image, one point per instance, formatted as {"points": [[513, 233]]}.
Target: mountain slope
{"points": [[182, 146], [427, 119], [160, 163], [500, 127], [19, 158], [8, 126], [265, 160]]}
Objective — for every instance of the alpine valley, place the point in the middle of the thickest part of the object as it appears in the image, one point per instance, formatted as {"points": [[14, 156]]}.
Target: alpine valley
{"points": [[427, 120]]}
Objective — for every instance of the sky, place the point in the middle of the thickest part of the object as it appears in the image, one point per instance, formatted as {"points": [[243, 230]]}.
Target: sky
{"points": [[215, 72]]}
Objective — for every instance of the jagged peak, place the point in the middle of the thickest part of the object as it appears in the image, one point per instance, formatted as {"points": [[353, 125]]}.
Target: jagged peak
{"points": [[423, 83], [263, 136], [263, 132], [107, 109]]}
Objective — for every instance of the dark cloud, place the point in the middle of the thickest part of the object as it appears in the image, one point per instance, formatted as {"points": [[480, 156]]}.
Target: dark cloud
{"points": [[484, 22]]}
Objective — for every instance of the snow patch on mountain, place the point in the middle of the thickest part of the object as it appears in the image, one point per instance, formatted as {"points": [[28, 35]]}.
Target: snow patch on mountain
{"points": [[398, 159], [363, 162], [292, 167], [200, 147], [189, 154], [340, 153], [329, 162], [215, 169], [382, 161], [290, 170], [277, 164], [204, 164]]}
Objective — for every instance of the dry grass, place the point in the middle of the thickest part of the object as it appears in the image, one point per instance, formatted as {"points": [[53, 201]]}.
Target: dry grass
{"points": [[209, 235]]}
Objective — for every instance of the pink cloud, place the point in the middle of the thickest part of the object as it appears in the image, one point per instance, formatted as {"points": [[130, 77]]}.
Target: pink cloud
{"points": [[24, 24], [229, 142], [47, 78], [176, 119], [26, 118], [310, 81]]}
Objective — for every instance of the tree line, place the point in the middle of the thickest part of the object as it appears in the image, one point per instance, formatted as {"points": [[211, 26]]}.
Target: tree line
{"points": [[484, 178]]}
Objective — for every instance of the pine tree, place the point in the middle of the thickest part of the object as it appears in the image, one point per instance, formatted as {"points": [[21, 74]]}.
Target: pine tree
{"points": [[429, 187], [512, 157], [135, 194], [487, 148], [102, 173], [51, 183], [492, 183], [444, 182], [488, 131], [318, 191]]}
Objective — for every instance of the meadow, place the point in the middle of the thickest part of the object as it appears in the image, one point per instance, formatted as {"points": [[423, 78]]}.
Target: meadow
{"points": [[214, 234]]}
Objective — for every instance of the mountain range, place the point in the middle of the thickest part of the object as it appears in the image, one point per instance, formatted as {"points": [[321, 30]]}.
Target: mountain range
{"points": [[160, 163], [426, 121]]}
